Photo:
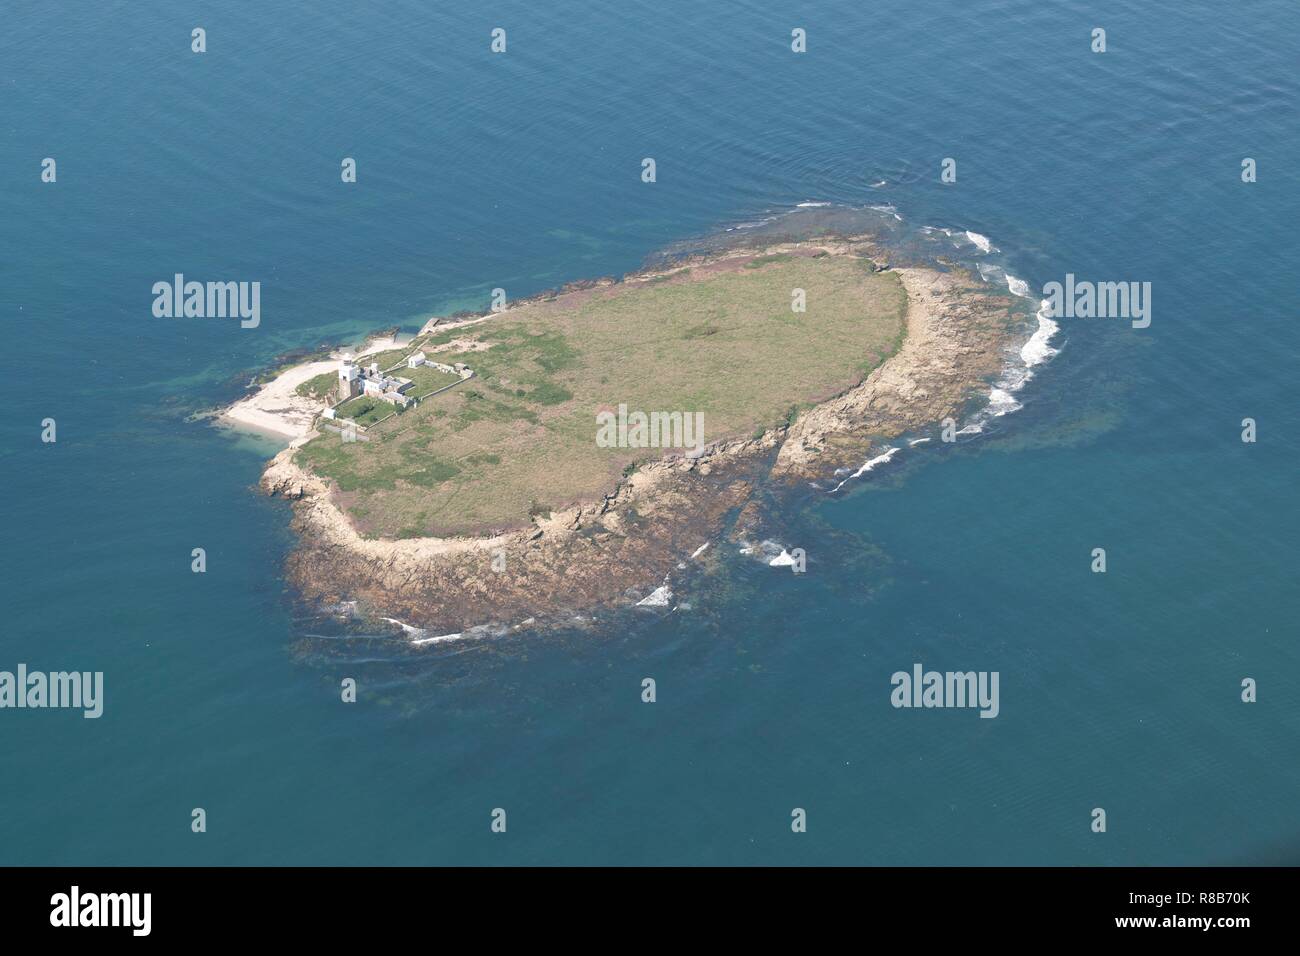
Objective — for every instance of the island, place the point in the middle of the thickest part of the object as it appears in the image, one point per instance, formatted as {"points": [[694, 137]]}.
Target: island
{"points": [[575, 449]]}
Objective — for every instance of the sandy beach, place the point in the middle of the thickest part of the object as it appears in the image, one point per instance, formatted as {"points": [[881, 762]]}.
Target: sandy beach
{"points": [[277, 409]]}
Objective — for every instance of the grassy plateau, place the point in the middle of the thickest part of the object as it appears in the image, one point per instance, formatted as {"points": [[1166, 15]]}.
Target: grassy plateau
{"points": [[520, 437]]}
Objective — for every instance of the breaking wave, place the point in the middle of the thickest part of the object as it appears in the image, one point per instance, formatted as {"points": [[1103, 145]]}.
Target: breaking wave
{"points": [[1019, 370], [870, 465], [1016, 375]]}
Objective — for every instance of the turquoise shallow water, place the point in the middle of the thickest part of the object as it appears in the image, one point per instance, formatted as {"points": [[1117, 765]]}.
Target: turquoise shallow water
{"points": [[521, 171]]}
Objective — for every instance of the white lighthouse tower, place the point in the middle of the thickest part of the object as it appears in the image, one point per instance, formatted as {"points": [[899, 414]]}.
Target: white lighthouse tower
{"points": [[349, 374]]}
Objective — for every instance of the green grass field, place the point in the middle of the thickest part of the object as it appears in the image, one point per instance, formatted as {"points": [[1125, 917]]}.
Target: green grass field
{"points": [[521, 436], [364, 409], [318, 386], [426, 380]]}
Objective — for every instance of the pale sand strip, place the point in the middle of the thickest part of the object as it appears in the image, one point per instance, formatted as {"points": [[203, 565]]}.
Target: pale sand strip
{"points": [[278, 410], [276, 407]]}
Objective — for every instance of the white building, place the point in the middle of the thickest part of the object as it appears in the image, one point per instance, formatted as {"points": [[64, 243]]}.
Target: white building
{"points": [[416, 360], [348, 379]]}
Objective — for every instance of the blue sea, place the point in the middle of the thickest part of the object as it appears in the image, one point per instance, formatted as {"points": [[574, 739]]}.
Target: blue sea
{"points": [[522, 170]]}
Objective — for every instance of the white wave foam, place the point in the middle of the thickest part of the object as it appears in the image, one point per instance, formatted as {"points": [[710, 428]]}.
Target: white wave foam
{"points": [[981, 242], [1002, 402], [420, 636], [409, 629], [1037, 351], [812, 205], [659, 597], [782, 560], [1017, 286], [439, 639], [870, 465]]}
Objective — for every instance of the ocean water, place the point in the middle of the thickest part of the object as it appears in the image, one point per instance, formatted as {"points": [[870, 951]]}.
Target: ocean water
{"points": [[522, 170]]}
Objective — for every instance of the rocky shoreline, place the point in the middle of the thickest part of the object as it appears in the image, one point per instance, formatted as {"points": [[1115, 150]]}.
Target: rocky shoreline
{"points": [[607, 552]]}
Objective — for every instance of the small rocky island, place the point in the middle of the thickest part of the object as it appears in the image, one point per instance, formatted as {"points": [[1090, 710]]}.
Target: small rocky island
{"points": [[521, 465]]}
